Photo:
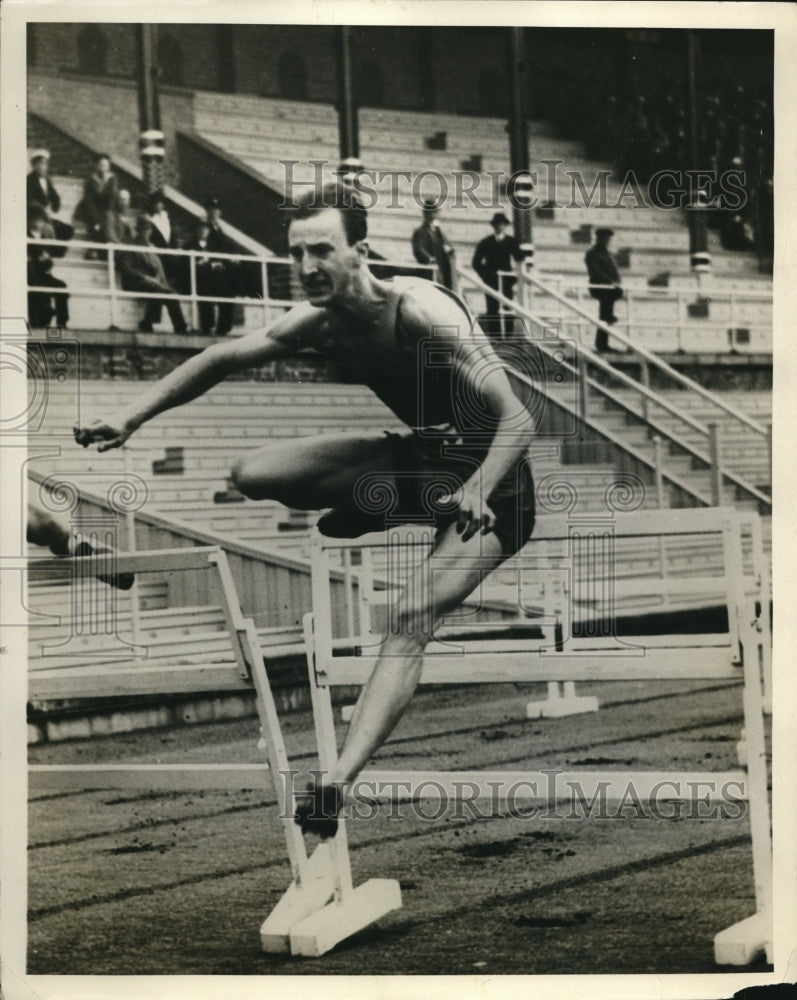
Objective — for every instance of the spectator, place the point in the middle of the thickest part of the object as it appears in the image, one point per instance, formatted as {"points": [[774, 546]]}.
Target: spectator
{"points": [[142, 271], [224, 272], [161, 223], [603, 271], [120, 223], [41, 193], [205, 277], [42, 305], [493, 254], [430, 245], [99, 196], [164, 236]]}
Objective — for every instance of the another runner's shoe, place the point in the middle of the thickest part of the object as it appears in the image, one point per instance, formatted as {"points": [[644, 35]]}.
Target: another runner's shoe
{"points": [[318, 808], [122, 581]]}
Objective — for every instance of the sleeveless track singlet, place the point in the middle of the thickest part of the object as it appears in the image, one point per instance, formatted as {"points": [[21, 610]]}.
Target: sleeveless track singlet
{"points": [[408, 369]]}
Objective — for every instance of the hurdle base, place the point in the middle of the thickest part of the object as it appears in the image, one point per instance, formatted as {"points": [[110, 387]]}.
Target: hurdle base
{"points": [[742, 943], [321, 931], [298, 902], [562, 700]]}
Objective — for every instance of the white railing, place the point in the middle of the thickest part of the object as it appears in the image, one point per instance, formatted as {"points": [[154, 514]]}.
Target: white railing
{"points": [[113, 293], [675, 331], [708, 455], [647, 360]]}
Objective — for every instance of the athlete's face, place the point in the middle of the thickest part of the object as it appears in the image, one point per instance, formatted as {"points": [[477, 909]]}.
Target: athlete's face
{"points": [[324, 261]]}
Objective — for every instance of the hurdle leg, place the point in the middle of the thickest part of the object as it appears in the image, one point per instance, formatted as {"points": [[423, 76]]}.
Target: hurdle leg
{"points": [[741, 943], [365, 597], [562, 700], [312, 882], [352, 909]]}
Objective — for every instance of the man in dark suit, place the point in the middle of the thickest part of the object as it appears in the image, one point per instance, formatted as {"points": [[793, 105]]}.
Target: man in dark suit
{"points": [[224, 271], [493, 255], [164, 237], [205, 278], [41, 193], [603, 271], [430, 245]]}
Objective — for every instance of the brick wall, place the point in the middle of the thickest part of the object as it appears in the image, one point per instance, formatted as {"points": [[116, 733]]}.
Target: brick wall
{"points": [[460, 55], [105, 113], [258, 49], [457, 66], [57, 47]]}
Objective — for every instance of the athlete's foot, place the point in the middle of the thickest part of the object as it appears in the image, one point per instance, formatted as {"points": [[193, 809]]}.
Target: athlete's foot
{"points": [[317, 809], [122, 581]]}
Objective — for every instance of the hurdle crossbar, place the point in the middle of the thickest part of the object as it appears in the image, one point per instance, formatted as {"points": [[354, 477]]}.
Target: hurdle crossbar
{"points": [[733, 654]]}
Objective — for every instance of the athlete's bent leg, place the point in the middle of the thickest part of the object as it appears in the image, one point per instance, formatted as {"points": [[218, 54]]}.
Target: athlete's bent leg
{"points": [[312, 473]]}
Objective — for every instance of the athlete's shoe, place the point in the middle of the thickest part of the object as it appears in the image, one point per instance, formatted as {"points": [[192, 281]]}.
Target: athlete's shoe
{"points": [[122, 581], [349, 522], [317, 809]]}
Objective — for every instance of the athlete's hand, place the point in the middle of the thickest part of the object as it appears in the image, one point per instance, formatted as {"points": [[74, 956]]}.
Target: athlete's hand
{"points": [[105, 435], [474, 513]]}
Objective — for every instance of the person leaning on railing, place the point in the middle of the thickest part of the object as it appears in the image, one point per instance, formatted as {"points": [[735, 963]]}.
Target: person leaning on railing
{"points": [[142, 271]]}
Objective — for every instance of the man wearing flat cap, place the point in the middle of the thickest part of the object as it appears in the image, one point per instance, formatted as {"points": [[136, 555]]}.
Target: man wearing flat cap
{"points": [[494, 254], [430, 246], [41, 193], [603, 271]]}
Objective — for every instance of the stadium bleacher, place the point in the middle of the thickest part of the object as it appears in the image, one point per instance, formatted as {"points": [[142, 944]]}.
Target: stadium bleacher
{"points": [[260, 132]]}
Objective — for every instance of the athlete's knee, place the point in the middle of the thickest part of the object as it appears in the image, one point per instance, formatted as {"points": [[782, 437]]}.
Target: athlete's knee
{"points": [[267, 476], [250, 478], [411, 626]]}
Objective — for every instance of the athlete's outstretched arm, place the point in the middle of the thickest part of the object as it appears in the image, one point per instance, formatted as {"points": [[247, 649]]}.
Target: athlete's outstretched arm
{"points": [[194, 377]]}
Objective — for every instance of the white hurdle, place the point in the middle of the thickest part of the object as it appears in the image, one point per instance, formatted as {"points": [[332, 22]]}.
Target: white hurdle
{"points": [[494, 656], [299, 923]]}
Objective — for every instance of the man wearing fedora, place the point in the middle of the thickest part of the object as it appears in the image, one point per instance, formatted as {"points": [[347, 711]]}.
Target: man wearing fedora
{"points": [[430, 246], [494, 254], [603, 271]]}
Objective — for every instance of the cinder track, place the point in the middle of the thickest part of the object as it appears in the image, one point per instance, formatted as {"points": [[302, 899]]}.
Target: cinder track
{"points": [[179, 882]]}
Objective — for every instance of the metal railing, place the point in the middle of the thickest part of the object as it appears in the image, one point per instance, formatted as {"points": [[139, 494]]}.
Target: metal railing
{"points": [[677, 326], [708, 455], [273, 274]]}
